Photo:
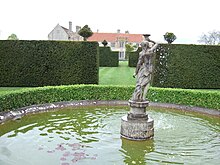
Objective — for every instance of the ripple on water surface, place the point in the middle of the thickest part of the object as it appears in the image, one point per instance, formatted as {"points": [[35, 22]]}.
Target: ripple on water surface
{"points": [[91, 135]]}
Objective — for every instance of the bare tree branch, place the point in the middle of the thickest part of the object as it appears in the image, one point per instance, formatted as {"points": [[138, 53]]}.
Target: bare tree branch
{"points": [[212, 38]]}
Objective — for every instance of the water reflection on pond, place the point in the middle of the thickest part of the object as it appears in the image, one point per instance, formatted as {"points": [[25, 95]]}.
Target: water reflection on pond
{"points": [[91, 135]]}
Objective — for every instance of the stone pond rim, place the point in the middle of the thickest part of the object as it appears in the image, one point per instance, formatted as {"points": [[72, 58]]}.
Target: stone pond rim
{"points": [[18, 113]]}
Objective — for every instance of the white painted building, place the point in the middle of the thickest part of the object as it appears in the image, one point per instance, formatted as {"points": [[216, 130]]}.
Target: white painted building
{"points": [[117, 41], [61, 33]]}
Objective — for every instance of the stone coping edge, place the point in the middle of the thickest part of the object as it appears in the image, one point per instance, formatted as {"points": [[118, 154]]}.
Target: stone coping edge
{"points": [[18, 113]]}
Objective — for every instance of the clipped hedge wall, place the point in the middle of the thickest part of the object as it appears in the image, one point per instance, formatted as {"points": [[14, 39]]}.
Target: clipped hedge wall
{"points": [[133, 57], [42, 63], [188, 66], [185, 66], [26, 97], [108, 58]]}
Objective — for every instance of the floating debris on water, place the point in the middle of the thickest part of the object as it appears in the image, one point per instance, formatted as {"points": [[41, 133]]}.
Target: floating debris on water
{"points": [[71, 153]]}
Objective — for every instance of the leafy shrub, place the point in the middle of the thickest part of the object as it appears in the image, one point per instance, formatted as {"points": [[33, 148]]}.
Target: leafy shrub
{"points": [[200, 98], [41, 95], [42, 63]]}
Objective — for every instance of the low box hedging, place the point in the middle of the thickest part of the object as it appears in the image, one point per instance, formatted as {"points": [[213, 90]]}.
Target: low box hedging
{"points": [[43, 63], [108, 58], [200, 98], [26, 97]]}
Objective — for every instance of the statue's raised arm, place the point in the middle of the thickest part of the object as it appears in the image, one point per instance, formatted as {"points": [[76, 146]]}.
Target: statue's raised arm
{"points": [[155, 45], [153, 48]]}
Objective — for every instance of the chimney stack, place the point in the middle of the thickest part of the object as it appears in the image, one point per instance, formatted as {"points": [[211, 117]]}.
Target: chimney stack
{"points": [[78, 29], [118, 31], [70, 26]]}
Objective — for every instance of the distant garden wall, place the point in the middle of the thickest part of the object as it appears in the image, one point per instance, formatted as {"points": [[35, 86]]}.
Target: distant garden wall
{"points": [[43, 63], [185, 66], [108, 58]]}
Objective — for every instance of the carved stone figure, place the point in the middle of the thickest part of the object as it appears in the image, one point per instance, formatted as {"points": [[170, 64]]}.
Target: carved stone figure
{"points": [[144, 69]]}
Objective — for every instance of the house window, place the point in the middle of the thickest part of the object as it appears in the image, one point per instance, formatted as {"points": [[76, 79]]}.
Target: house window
{"points": [[121, 44], [112, 44], [121, 55]]}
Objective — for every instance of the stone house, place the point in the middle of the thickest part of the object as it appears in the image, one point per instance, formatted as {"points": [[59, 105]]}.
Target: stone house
{"points": [[62, 33], [117, 41]]}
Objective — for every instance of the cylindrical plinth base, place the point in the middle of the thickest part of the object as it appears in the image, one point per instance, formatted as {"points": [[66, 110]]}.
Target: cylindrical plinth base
{"points": [[137, 129], [138, 108]]}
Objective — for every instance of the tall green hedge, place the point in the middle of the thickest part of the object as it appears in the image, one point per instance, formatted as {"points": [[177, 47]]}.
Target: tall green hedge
{"points": [[41, 63], [41, 95], [133, 57], [185, 66], [108, 58]]}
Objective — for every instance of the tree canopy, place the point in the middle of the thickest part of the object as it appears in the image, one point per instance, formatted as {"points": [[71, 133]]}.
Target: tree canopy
{"points": [[105, 43], [85, 32], [13, 37], [211, 38], [130, 47], [169, 37]]}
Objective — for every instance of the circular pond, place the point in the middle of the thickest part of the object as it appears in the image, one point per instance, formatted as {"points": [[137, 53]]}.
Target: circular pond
{"points": [[91, 135]]}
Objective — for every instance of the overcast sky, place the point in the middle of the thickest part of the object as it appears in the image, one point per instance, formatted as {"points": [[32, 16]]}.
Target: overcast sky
{"points": [[35, 19]]}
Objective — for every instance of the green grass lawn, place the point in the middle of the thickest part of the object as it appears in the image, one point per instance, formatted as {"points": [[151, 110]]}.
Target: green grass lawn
{"points": [[4, 90], [121, 75]]}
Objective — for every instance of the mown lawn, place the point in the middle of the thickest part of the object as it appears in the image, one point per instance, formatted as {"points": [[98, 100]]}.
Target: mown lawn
{"points": [[4, 90], [121, 75]]}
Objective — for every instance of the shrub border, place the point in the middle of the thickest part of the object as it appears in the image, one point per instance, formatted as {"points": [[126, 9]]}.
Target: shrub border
{"points": [[34, 96]]}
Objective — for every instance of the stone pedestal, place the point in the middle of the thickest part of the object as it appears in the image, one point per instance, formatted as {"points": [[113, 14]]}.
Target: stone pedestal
{"points": [[137, 125]]}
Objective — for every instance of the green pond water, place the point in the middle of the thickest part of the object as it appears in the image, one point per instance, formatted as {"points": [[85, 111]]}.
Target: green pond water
{"points": [[91, 135]]}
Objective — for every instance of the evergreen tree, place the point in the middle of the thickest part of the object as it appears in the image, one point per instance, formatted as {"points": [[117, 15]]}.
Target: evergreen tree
{"points": [[169, 37], [13, 37], [105, 43], [85, 32]]}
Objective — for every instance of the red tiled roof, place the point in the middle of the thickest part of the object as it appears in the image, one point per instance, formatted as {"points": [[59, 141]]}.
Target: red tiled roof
{"points": [[112, 37]]}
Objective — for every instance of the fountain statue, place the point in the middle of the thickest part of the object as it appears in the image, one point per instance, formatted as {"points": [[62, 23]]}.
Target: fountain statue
{"points": [[137, 125]]}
